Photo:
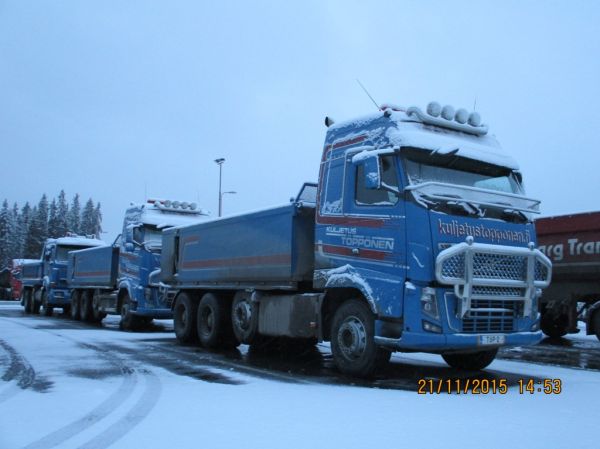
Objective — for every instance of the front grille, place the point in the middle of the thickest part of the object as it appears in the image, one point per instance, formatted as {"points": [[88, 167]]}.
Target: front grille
{"points": [[493, 266], [480, 319], [501, 292]]}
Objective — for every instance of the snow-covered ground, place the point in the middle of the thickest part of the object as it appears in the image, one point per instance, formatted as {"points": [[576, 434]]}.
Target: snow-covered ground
{"points": [[74, 393]]}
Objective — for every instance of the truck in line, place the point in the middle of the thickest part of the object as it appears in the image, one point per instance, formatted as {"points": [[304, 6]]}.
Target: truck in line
{"points": [[122, 278], [44, 281], [572, 242], [418, 236]]}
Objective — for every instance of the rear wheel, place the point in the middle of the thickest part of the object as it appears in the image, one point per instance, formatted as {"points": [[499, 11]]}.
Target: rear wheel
{"points": [[184, 318], [352, 340], [472, 360], [129, 321], [98, 314], [244, 318], [75, 305], [46, 309], [214, 322], [86, 306]]}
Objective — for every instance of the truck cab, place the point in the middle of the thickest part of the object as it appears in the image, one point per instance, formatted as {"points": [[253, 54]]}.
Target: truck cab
{"points": [[423, 219], [45, 281], [139, 295]]}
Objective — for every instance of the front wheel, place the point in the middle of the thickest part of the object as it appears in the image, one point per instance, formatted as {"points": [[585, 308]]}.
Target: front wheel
{"points": [[471, 361], [184, 318], [554, 326], [27, 299], [129, 321], [46, 309], [596, 324], [352, 343]]}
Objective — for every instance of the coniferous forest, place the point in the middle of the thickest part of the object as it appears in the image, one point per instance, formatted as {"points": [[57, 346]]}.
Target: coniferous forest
{"points": [[24, 229]]}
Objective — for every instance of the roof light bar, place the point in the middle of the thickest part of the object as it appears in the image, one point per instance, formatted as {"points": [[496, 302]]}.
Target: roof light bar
{"points": [[177, 206], [447, 117]]}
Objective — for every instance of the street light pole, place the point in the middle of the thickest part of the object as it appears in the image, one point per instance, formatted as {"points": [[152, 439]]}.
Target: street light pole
{"points": [[220, 162]]}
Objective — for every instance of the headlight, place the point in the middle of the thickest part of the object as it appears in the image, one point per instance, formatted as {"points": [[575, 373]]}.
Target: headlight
{"points": [[429, 303]]}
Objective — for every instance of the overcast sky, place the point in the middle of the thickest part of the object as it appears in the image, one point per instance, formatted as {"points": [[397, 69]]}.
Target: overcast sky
{"points": [[122, 100]]}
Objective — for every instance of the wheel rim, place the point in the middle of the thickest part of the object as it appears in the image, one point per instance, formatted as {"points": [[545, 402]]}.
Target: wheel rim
{"points": [[182, 315], [124, 310], [352, 338], [207, 318], [242, 315]]}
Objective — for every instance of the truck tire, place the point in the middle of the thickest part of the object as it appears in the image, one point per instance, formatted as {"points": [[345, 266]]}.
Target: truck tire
{"points": [[75, 305], [352, 340], [472, 361], [596, 324], [98, 314], [214, 322], [244, 318], [85, 306], [27, 301], [554, 326], [129, 321], [47, 310], [35, 305], [185, 314]]}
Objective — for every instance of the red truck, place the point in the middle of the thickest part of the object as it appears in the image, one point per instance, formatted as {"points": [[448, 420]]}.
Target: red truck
{"points": [[572, 242]]}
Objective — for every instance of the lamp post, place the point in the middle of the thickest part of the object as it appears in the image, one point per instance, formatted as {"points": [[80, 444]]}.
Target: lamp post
{"points": [[220, 162]]}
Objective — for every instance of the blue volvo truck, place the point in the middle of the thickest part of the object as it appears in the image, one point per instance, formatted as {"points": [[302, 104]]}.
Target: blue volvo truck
{"points": [[122, 278], [45, 283], [417, 237]]}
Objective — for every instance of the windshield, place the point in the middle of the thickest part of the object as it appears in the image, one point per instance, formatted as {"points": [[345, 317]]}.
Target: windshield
{"points": [[152, 234], [460, 171], [63, 251], [455, 184]]}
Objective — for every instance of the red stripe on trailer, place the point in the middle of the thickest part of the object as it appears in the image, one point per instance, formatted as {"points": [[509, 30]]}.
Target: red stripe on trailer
{"points": [[275, 259]]}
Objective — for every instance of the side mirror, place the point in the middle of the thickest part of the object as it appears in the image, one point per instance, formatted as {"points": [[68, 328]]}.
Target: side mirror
{"points": [[129, 247], [371, 170], [128, 235]]}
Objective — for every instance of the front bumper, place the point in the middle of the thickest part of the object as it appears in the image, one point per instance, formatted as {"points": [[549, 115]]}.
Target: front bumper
{"points": [[428, 342]]}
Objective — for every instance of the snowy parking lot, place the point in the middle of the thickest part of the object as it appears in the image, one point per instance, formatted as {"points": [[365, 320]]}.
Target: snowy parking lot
{"points": [[70, 385]]}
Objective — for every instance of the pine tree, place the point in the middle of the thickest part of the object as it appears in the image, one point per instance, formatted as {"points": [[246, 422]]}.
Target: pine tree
{"points": [[4, 235], [14, 247], [62, 226], [38, 229], [74, 217], [87, 218], [97, 221], [23, 228], [52, 220]]}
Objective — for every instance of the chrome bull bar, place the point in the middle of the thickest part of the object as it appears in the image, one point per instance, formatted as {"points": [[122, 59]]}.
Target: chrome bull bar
{"points": [[483, 271]]}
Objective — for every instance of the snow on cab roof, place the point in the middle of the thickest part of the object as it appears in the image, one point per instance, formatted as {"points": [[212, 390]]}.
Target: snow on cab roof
{"points": [[153, 215], [77, 241], [394, 127]]}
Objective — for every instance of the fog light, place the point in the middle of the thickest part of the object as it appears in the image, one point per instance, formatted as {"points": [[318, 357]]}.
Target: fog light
{"points": [[429, 303], [430, 327]]}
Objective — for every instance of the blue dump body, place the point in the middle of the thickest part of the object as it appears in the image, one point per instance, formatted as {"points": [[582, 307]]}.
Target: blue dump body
{"points": [[272, 247], [94, 267]]}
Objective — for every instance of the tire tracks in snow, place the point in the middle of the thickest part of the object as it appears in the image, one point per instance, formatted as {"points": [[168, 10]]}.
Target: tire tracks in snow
{"points": [[20, 370], [136, 414]]}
